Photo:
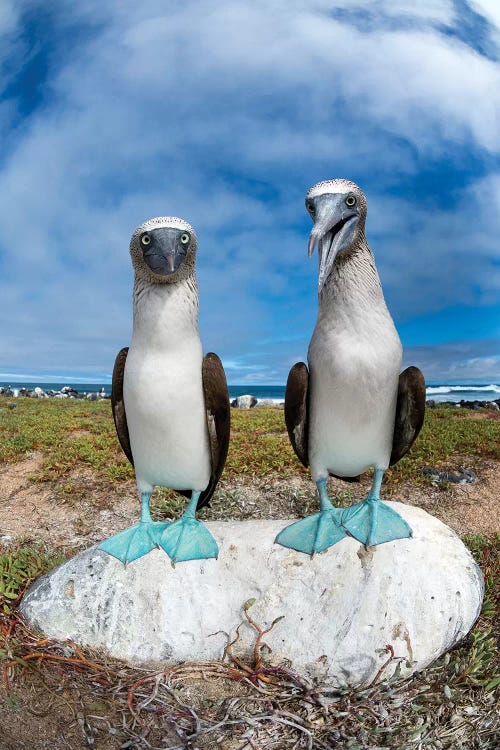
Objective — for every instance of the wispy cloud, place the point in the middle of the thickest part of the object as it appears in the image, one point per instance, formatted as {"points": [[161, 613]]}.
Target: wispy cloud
{"points": [[225, 114], [464, 361]]}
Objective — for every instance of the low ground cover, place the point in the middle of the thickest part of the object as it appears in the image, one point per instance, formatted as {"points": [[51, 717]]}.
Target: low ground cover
{"points": [[55, 695], [73, 433]]}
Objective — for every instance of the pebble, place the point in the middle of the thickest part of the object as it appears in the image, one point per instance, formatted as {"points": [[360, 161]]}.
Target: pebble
{"points": [[464, 476], [244, 402], [65, 392]]}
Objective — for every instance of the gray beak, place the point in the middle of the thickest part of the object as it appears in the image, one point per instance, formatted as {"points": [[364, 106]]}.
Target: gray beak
{"points": [[333, 230], [164, 249]]}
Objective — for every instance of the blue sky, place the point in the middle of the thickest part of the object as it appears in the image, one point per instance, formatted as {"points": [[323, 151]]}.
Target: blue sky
{"points": [[225, 114]]}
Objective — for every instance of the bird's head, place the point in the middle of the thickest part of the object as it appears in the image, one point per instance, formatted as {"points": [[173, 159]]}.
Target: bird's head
{"points": [[163, 250], [338, 209]]}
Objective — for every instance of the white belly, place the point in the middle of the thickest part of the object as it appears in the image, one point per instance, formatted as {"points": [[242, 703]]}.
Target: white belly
{"points": [[166, 417], [353, 391]]}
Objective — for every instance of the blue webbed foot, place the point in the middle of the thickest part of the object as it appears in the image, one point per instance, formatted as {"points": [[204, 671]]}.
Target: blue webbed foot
{"points": [[188, 538], [315, 533], [373, 522], [135, 542]]}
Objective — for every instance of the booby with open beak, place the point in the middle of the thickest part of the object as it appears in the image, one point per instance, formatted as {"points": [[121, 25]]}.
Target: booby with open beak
{"points": [[352, 409]]}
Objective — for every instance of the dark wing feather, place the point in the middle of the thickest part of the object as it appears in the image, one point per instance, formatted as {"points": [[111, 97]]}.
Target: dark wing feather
{"points": [[218, 419], [296, 410], [297, 414], [410, 410], [118, 405]]}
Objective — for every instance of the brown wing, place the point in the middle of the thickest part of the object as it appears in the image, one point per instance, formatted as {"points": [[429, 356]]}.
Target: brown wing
{"points": [[297, 414], [296, 410], [118, 405], [410, 410], [218, 419]]}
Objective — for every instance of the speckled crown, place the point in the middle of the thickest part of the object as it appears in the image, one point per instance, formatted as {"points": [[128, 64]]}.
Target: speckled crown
{"points": [[164, 221], [332, 186]]}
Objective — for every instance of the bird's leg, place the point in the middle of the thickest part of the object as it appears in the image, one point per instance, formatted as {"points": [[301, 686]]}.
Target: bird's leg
{"points": [[137, 541], [372, 521], [145, 511], [188, 538], [315, 533], [324, 500]]}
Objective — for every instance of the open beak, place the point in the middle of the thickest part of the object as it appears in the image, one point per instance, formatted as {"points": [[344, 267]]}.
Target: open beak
{"points": [[333, 230]]}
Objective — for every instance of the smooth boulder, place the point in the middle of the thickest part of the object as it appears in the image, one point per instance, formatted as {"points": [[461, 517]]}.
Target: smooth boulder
{"points": [[341, 609], [244, 402]]}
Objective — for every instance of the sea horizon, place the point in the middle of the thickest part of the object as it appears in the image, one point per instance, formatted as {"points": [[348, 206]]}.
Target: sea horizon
{"points": [[435, 390]]}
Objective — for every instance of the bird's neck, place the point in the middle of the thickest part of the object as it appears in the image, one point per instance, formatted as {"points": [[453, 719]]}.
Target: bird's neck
{"points": [[165, 314], [353, 285]]}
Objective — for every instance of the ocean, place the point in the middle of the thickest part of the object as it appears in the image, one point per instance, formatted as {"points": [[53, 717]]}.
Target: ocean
{"points": [[276, 393], [440, 392]]}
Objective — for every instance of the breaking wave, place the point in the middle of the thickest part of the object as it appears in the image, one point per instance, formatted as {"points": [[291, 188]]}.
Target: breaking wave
{"points": [[443, 389]]}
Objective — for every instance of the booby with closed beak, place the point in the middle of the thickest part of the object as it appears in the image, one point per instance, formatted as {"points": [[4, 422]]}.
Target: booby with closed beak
{"points": [[170, 404]]}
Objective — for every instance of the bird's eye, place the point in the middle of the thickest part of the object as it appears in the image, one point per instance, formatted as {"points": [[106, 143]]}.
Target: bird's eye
{"points": [[310, 206], [350, 201], [185, 238], [145, 239]]}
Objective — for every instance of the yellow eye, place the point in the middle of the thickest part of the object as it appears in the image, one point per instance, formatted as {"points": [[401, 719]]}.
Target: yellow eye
{"points": [[145, 239], [350, 201], [185, 238]]}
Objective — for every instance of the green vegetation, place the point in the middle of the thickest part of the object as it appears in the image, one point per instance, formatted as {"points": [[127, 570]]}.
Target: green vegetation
{"points": [[20, 565], [447, 434], [449, 705], [73, 434], [480, 665], [259, 444], [69, 433]]}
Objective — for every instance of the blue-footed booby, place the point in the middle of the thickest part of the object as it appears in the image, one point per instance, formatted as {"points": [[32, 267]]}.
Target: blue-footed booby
{"points": [[352, 409], [170, 404]]}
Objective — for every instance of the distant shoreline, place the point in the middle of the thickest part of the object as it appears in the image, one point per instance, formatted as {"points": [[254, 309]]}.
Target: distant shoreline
{"points": [[468, 396]]}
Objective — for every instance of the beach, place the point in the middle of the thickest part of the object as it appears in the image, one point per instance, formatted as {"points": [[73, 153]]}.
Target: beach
{"points": [[264, 394]]}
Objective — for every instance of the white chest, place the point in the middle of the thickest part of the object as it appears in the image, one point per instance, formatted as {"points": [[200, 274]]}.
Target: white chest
{"points": [[354, 368], [164, 402]]}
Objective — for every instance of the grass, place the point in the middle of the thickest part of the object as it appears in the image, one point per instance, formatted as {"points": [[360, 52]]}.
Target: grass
{"points": [[20, 565], [69, 433], [73, 434], [447, 433], [450, 705]]}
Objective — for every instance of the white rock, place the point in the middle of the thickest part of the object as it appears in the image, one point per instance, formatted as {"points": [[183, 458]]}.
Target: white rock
{"points": [[341, 609], [244, 402]]}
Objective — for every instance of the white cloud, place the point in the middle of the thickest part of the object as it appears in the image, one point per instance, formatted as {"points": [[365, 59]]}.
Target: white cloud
{"points": [[427, 11], [490, 9], [463, 361], [225, 114], [435, 256]]}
